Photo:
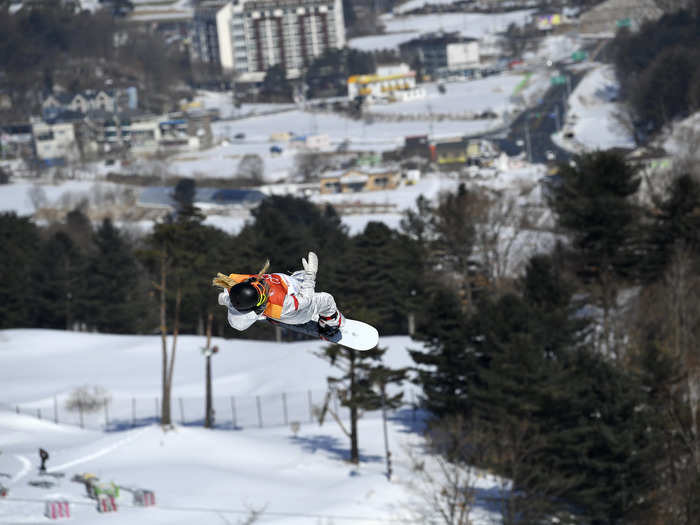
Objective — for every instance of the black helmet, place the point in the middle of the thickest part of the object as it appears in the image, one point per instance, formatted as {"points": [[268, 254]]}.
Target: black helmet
{"points": [[248, 295]]}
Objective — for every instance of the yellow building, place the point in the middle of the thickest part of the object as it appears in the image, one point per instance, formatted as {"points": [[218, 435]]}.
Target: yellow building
{"points": [[360, 179], [390, 82]]}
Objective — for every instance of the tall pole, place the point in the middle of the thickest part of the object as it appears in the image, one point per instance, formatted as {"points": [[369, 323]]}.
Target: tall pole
{"points": [[382, 386], [208, 415], [527, 140]]}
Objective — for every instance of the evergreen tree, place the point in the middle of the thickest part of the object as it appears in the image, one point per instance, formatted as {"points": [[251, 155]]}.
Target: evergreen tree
{"points": [[20, 245], [183, 195], [114, 299], [602, 433], [446, 369], [381, 280], [328, 74], [593, 204], [275, 86], [61, 268], [361, 387], [285, 229], [676, 224]]}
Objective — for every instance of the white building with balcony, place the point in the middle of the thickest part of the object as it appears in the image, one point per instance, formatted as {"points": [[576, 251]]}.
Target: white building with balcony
{"points": [[257, 34], [55, 143]]}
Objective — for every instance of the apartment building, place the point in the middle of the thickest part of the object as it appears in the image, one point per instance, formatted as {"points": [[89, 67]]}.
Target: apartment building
{"points": [[205, 36], [257, 34]]}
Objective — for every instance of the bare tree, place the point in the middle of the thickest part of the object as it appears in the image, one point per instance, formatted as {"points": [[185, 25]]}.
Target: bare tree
{"points": [[37, 196], [251, 167], [308, 165], [497, 236], [444, 483], [682, 285]]}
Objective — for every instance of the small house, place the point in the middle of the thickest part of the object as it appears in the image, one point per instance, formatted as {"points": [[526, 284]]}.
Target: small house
{"points": [[360, 179], [451, 152]]}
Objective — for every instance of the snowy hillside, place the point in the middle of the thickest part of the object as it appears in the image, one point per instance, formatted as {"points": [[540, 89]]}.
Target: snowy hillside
{"points": [[199, 475], [399, 29]]}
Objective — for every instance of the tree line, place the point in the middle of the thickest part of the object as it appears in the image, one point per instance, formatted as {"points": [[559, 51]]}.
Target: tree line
{"points": [[69, 275]]}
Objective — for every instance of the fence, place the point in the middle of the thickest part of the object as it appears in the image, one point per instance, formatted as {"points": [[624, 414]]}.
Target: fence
{"points": [[233, 412]]}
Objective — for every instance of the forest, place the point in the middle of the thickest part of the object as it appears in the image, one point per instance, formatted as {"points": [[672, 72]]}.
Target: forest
{"points": [[577, 378], [658, 68]]}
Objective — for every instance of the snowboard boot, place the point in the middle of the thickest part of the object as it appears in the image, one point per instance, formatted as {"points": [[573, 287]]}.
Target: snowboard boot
{"points": [[329, 326]]}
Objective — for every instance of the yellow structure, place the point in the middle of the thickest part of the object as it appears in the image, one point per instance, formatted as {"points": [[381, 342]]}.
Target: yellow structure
{"points": [[357, 180], [395, 82]]}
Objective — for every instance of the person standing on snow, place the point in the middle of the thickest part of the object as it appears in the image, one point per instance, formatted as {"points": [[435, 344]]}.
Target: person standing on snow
{"points": [[289, 299]]}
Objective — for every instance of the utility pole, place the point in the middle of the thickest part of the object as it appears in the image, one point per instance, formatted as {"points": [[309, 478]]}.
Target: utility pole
{"points": [[382, 388], [208, 351], [527, 140]]}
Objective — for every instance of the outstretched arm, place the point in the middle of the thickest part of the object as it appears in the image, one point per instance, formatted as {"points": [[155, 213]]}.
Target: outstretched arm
{"points": [[310, 268], [238, 320]]}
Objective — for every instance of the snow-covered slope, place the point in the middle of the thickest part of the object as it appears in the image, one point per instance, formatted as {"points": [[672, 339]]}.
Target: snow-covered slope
{"points": [[198, 475]]}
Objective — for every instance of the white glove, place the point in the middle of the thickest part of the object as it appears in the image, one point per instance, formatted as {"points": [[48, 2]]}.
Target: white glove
{"points": [[310, 269], [312, 264]]}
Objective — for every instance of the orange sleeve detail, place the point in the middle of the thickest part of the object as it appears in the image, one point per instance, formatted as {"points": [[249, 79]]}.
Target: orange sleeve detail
{"points": [[273, 310]]}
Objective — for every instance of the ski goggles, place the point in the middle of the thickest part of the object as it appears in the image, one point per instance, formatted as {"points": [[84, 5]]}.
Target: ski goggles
{"points": [[262, 292]]}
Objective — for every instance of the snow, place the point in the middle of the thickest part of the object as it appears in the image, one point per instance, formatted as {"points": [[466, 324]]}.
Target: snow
{"points": [[223, 101], [682, 139], [592, 114], [22, 197], [399, 29], [200, 475], [222, 160], [417, 4], [466, 97]]}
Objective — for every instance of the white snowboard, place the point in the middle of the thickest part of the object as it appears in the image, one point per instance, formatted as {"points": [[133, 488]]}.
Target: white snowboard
{"points": [[353, 334]]}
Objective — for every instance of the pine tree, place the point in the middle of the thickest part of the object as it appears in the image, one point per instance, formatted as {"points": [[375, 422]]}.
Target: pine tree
{"points": [[20, 245], [114, 299], [676, 225], [285, 229], [593, 204], [381, 279], [184, 195], [61, 268], [602, 433], [446, 369], [361, 387]]}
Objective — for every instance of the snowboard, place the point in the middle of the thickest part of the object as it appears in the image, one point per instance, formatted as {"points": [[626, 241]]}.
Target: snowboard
{"points": [[353, 334]]}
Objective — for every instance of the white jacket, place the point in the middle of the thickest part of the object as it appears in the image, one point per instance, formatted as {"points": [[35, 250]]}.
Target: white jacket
{"points": [[301, 304]]}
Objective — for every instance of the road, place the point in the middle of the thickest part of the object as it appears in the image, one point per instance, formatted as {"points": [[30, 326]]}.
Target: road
{"points": [[536, 125]]}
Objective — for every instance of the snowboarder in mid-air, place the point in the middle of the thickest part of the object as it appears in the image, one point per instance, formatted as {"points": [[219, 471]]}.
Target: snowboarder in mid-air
{"points": [[288, 299]]}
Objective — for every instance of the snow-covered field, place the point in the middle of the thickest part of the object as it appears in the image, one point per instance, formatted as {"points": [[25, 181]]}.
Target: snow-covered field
{"points": [[377, 136], [198, 475], [475, 96], [399, 29]]}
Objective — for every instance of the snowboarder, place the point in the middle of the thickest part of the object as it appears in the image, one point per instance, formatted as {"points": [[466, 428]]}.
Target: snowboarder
{"points": [[43, 455], [289, 299]]}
